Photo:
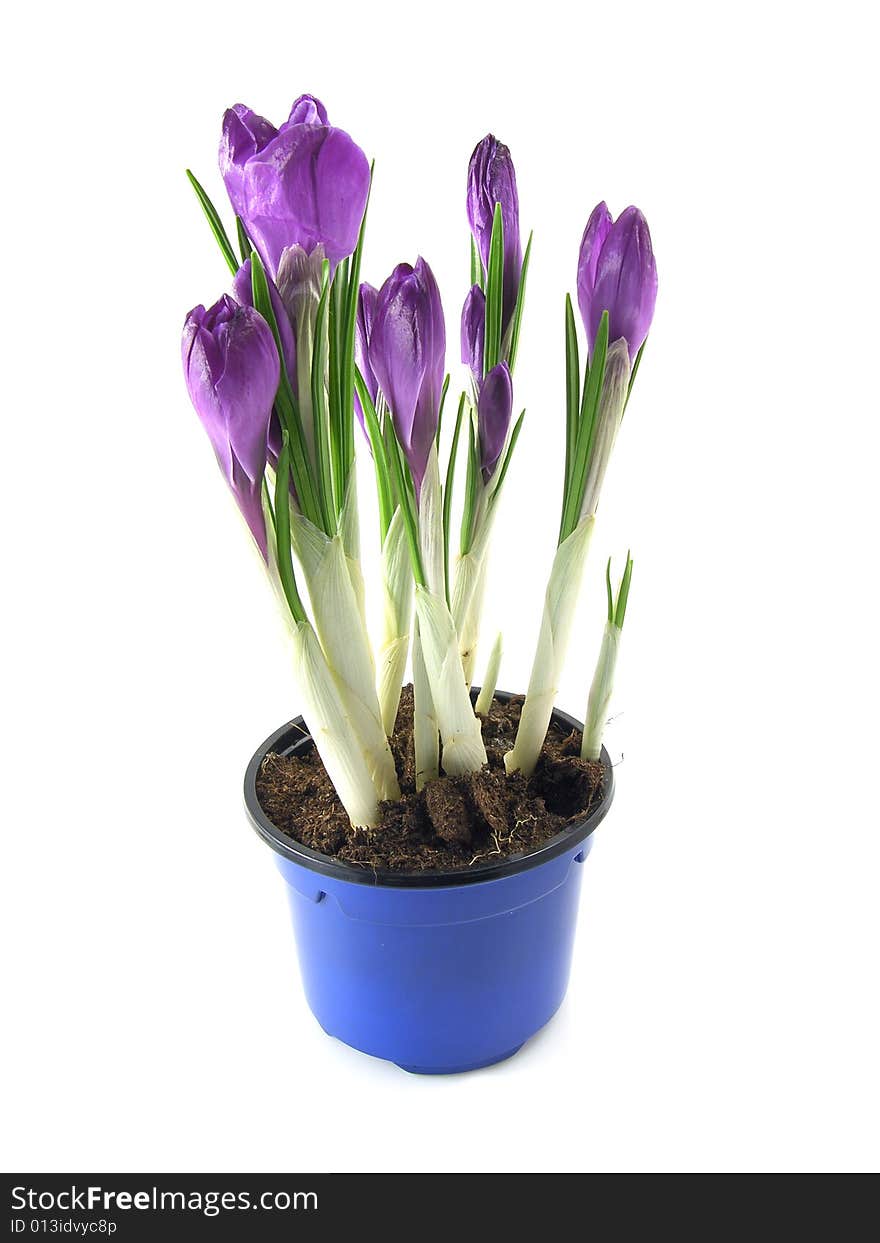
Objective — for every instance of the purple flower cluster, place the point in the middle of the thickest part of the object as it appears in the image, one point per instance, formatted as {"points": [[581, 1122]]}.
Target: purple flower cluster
{"points": [[301, 191]]}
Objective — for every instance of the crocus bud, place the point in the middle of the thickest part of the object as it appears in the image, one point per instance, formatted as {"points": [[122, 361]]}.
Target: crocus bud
{"points": [[368, 298], [408, 353], [473, 332], [307, 187], [617, 274], [307, 110], [231, 368], [242, 291], [245, 133], [494, 408], [491, 180], [299, 283]]}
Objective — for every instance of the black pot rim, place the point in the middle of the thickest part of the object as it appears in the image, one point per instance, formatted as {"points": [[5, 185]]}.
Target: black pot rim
{"points": [[290, 737]]}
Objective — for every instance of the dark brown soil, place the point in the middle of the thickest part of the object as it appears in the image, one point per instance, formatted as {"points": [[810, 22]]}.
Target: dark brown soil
{"points": [[454, 822]]}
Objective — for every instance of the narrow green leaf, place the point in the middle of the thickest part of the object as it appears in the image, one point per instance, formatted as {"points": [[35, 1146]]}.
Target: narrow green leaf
{"points": [[216, 224], [518, 310], [282, 531], [572, 388], [447, 488], [574, 491], [494, 294], [327, 495], [502, 471], [478, 276], [407, 508], [443, 392], [608, 591], [245, 246], [285, 403], [338, 292], [472, 482], [623, 594], [384, 489]]}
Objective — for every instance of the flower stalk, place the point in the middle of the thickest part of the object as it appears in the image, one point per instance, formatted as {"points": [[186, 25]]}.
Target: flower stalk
{"points": [[602, 685], [490, 679]]}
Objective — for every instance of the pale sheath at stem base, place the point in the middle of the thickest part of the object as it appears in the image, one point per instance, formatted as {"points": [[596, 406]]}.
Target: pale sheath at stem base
{"points": [[397, 590], [490, 681], [339, 624], [426, 735], [560, 601], [600, 693], [460, 730], [468, 593], [463, 750], [333, 729]]}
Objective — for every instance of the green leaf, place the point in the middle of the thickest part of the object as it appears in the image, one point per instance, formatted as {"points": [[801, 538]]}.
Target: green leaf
{"points": [[330, 500], [478, 276], [608, 591], [518, 309], [384, 489], [407, 508], [285, 404], [447, 488], [494, 294], [577, 481], [472, 483], [282, 531], [336, 302], [213, 218], [245, 246], [443, 392], [572, 388], [502, 471], [623, 594]]}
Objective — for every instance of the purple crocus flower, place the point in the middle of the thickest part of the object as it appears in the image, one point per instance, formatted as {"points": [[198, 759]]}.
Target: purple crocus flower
{"points": [[302, 184], [306, 187], [494, 408], [245, 133], [617, 274], [491, 180], [368, 298], [231, 368], [473, 332], [407, 350]]}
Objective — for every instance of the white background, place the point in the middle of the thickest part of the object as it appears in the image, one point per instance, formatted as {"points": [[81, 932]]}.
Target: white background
{"points": [[723, 1005]]}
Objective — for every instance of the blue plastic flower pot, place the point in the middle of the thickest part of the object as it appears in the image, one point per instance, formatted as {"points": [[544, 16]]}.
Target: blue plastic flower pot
{"points": [[439, 972]]}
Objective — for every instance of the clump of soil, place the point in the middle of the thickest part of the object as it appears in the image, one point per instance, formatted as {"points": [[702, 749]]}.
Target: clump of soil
{"points": [[454, 822]]}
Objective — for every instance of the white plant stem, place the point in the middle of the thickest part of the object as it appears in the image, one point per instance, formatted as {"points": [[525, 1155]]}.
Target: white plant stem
{"points": [[490, 681], [426, 736], [463, 750], [460, 731], [468, 594], [339, 624], [349, 529], [600, 693], [560, 602], [333, 728], [397, 587]]}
